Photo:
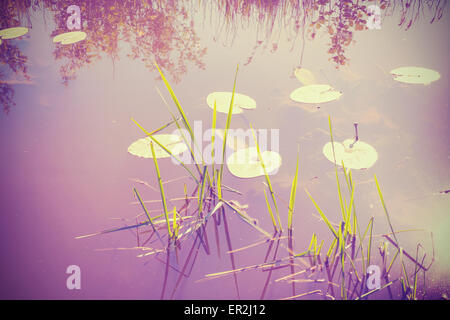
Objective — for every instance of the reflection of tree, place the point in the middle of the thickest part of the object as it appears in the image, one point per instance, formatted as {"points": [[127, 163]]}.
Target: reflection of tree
{"points": [[155, 31], [339, 18], [11, 58], [163, 30]]}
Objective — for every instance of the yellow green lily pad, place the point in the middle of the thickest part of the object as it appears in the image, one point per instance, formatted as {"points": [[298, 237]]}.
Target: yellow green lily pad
{"points": [[305, 76], [233, 142], [172, 142], [415, 75], [70, 37], [223, 100], [11, 33], [245, 163], [315, 93], [361, 156]]}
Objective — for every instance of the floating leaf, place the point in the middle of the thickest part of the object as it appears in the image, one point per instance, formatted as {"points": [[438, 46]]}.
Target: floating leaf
{"points": [[415, 75], [223, 100], [315, 93], [361, 156], [11, 33], [245, 163], [234, 142], [70, 37], [305, 76], [174, 143]]}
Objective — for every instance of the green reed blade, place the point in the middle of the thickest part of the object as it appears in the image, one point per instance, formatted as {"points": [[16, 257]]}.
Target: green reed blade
{"points": [[185, 122], [375, 290], [312, 242], [200, 201], [333, 244], [319, 248], [392, 261], [369, 248], [385, 209], [148, 215], [322, 215], [163, 197], [166, 150], [213, 138], [177, 103], [174, 223], [404, 268], [293, 195], [355, 219], [188, 144], [227, 126], [269, 184], [270, 211], [342, 258], [336, 171], [348, 228]]}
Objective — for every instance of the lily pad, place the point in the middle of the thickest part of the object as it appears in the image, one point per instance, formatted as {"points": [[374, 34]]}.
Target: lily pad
{"points": [[11, 33], [415, 75], [233, 142], [223, 100], [359, 156], [305, 76], [172, 142], [70, 37], [245, 163], [315, 93]]}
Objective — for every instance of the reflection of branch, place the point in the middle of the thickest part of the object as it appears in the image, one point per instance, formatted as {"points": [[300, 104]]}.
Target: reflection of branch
{"points": [[12, 57], [159, 31], [339, 18]]}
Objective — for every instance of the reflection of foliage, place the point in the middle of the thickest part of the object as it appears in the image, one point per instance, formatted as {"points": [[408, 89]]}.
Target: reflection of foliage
{"points": [[156, 31], [10, 56], [339, 23], [6, 96], [339, 18], [12, 12], [163, 31]]}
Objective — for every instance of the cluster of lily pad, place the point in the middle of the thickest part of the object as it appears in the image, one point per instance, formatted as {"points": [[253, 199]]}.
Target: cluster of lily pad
{"points": [[244, 162], [63, 38], [352, 153], [347, 249]]}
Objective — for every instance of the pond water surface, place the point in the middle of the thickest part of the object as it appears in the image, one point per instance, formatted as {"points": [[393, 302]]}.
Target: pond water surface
{"points": [[65, 170]]}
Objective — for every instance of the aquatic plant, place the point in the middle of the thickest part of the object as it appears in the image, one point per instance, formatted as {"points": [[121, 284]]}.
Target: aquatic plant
{"points": [[343, 271]]}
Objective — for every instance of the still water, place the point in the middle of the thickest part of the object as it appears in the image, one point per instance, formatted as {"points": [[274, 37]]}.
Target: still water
{"points": [[66, 126]]}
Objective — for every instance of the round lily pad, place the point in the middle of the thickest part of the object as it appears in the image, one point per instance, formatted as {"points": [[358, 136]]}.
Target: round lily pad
{"points": [[11, 33], [315, 93], [361, 156], [245, 163], [223, 100], [172, 142], [233, 142], [305, 76], [415, 75], [70, 37]]}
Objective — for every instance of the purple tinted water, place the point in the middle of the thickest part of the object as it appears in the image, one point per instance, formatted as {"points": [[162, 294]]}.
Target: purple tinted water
{"points": [[65, 170]]}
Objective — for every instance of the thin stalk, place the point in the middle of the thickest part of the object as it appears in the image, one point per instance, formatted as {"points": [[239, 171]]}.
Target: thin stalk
{"points": [[161, 188]]}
